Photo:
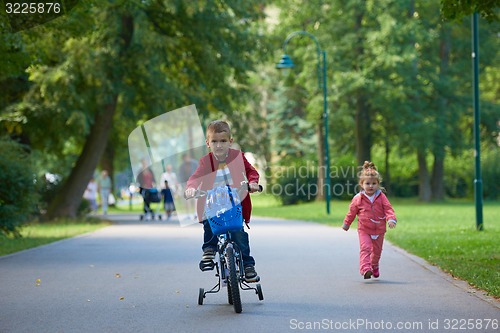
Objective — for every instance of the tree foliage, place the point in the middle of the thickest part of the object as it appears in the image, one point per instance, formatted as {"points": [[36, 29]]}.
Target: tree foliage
{"points": [[110, 65], [457, 9], [17, 193], [401, 79]]}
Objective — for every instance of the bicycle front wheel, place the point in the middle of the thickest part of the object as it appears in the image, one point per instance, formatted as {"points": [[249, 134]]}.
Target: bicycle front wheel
{"points": [[233, 279]]}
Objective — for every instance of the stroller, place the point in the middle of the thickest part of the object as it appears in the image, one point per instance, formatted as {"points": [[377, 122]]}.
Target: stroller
{"points": [[151, 195]]}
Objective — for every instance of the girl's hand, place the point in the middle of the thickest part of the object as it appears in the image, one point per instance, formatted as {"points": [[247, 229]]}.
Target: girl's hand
{"points": [[345, 227], [392, 224]]}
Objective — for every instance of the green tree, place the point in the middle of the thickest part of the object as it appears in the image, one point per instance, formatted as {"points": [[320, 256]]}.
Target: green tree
{"points": [[132, 60], [457, 9], [17, 193], [397, 79]]}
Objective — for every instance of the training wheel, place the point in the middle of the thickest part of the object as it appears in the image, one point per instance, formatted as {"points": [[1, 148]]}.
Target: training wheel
{"points": [[201, 295], [259, 292]]}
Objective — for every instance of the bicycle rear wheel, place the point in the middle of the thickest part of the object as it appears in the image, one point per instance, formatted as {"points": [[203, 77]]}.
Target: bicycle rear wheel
{"points": [[229, 294], [233, 279]]}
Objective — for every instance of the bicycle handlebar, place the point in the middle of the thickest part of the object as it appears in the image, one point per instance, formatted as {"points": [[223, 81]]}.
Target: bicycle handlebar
{"points": [[200, 193]]}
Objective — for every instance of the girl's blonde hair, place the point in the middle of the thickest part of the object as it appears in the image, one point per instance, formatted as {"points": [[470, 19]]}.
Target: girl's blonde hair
{"points": [[369, 170]]}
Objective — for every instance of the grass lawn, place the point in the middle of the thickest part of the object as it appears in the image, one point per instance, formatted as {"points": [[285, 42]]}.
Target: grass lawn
{"points": [[37, 234], [442, 233]]}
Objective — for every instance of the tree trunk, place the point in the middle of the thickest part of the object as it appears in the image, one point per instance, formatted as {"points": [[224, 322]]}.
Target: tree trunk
{"points": [[387, 180], [438, 177], [440, 135], [362, 117], [424, 181], [363, 131], [68, 199], [107, 161]]}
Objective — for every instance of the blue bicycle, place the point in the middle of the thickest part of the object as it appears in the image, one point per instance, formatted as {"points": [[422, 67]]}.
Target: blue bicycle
{"points": [[224, 214]]}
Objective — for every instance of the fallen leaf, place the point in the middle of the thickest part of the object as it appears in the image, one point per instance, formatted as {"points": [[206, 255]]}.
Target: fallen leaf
{"points": [[38, 282], [122, 298], [117, 275]]}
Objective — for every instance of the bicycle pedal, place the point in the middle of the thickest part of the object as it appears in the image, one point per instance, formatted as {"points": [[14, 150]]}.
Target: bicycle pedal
{"points": [[207, 265]]}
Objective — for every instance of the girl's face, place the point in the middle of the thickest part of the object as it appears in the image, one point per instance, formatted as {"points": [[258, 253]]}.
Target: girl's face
{"points": [[370, 185], [219, 144]]}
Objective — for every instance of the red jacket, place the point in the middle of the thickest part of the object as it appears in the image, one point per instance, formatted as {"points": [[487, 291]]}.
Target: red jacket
{"points": [[372, 217], [205, 175]]}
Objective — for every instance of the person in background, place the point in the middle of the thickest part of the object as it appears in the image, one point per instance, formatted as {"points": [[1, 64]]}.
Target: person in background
{"points": [[168, 200], [186, 169], [90, 194], [170, 176], [146, 180], [104, 185]]}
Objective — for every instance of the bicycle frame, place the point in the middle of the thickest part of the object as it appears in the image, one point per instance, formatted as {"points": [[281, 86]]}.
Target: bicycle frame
{"points": [[229, 266], [222, 268]]}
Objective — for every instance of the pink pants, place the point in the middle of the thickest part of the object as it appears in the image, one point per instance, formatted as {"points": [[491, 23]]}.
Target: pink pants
{"points": [[370, 251]]}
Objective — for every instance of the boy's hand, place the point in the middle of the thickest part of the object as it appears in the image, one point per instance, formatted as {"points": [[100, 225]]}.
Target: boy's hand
{"points": [[189, 193], [345, 227], [254, 187], [392, 224]]}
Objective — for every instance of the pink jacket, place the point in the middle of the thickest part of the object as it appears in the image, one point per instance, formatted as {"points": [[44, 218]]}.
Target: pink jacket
{"points": [[372, 217]]}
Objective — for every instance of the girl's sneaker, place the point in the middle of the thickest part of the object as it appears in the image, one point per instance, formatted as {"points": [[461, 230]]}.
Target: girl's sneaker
{"points": [[368, 275], [376, 272]]}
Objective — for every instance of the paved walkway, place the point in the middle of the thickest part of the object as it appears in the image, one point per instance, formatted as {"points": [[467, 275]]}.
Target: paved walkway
{"points": [[143, 277]]}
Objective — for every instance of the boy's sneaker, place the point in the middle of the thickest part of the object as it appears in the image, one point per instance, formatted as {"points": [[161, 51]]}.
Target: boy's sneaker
{"points": [[376, 272], [251, 274], [368, 275], [207, 260], [208, 254]]}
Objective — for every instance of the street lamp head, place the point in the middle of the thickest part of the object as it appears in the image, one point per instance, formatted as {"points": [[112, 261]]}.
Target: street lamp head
{"points": [[285, 62]]}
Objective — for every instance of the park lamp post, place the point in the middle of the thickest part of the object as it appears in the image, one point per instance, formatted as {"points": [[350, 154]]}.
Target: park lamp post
{"points": [[287, 63], [478, 182]]}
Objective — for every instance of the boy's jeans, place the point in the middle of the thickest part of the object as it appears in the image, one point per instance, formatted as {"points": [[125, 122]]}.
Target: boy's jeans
{"points": [[239, 237]]}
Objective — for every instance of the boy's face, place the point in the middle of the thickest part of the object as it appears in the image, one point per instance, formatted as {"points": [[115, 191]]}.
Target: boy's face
{"points": [[219, 144]]}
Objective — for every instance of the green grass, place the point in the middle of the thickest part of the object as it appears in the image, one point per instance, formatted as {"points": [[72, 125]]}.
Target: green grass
{"points": [[37, 234], [444, 234]]}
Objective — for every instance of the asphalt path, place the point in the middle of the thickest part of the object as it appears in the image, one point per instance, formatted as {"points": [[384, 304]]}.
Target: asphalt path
{"points": [[143, 277]]}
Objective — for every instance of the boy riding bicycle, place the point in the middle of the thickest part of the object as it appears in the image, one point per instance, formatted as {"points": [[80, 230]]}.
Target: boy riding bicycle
{"points": [[224, 166]]}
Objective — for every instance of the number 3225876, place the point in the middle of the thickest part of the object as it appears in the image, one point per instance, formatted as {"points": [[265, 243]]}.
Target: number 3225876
{"points": [[32, 8]]}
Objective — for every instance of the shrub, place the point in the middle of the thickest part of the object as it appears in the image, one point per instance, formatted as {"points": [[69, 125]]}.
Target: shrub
{"points": [[17, 193], [491, 174], [292, 187]]}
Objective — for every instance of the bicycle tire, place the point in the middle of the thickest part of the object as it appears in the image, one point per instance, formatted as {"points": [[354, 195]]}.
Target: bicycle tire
{"points": [[233, 280], [259, 292], [229, 294]]}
